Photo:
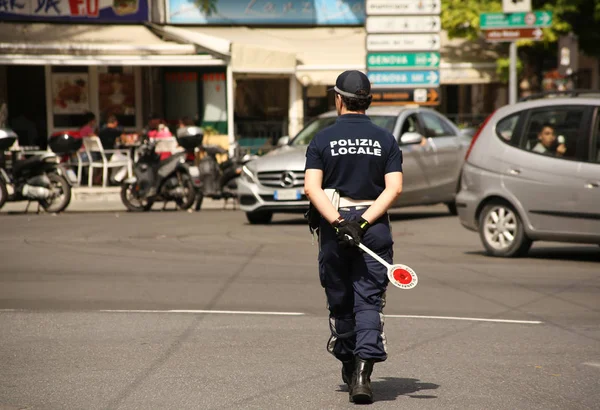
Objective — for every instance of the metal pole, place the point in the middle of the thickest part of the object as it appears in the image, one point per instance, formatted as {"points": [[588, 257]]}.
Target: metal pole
{"points": [[512, 80], [230, 107]]}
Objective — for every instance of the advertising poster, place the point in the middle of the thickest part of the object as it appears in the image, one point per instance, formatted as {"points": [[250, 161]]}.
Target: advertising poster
{"points": [[70, 93], [75, 10], [270, 12], [116, 93]]}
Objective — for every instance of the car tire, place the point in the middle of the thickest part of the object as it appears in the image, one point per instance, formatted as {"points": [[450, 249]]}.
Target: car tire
{"points": [[501, 230], [452, 208], [259, 217]]}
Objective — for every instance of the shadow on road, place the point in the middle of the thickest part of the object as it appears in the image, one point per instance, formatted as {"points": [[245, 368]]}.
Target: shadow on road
{"points": [[390, 388], [570, 253]]}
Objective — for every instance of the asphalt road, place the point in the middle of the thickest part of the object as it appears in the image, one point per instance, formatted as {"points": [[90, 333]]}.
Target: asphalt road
{"points": [[107, 311]]}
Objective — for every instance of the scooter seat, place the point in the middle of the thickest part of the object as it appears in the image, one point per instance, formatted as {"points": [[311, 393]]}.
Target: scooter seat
{"points": [[214, 149], [30, 162]]}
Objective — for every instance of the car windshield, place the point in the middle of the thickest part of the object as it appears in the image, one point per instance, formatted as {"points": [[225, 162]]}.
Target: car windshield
{"points": [[305, 136]]}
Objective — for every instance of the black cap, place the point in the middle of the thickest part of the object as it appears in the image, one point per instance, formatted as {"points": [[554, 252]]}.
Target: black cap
{"points": [[350, 82]]}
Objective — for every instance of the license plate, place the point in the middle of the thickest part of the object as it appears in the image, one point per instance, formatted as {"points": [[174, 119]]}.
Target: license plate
{"points": [[287, 195]]}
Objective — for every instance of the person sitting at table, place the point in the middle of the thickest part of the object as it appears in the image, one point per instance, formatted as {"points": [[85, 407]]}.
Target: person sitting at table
{"points": [[89, 127], [110, 132]]}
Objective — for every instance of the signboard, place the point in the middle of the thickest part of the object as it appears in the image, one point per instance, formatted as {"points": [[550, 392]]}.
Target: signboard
{"points": [[398, 24], [568, 48], [407, 79], [395, 96], [488, 21], [515, 6], [403, 60], [403, 7], [70, 93], [403, 42], [75, 10], [506, 34], [269, 12]]}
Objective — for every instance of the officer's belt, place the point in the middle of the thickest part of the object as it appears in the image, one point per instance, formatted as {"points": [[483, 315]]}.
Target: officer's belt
{"points": [[345, 202]]}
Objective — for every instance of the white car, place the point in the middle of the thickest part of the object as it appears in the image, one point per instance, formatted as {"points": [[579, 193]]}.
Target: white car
{"points": [[433, 150]]}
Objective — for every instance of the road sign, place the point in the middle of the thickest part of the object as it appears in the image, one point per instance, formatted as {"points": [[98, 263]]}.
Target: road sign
{"points": [[395, 96], [403, 60], [515, 6], [407, 79], [400, 7], [568, 47], [488, 21], [401, 24], [503, 35], [403, 42]]}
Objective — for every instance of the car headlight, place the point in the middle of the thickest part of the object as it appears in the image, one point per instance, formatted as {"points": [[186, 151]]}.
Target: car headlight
{"points": [[247, 175]]}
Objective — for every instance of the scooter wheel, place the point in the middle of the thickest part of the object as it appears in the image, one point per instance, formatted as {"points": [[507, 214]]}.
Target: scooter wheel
{"points": [[61, 201], [3, 193], [132, 203]]}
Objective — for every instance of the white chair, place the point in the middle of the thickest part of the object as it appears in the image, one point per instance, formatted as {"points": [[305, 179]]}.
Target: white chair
{"points": [[93, 144]]}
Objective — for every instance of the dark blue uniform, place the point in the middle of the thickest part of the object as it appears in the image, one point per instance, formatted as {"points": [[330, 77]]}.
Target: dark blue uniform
{"points": [[354, 155]]}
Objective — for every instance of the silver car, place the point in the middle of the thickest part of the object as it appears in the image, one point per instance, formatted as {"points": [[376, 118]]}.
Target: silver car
{"points": [[533, 173], [433, 150]]}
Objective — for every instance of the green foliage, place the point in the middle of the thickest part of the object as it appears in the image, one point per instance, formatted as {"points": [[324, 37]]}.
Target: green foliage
{"points": [[502, 67]]}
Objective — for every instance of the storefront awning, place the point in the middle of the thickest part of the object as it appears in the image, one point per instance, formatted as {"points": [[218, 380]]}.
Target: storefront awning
{"points": [[321, 53], [97, 44]]}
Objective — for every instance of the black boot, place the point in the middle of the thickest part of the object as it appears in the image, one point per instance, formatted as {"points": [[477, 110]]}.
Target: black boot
{"points": [[360, 391], [347, 372]]}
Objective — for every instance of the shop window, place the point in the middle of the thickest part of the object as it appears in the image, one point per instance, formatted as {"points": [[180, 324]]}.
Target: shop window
{"points": [[116, 94], [70, 95]]}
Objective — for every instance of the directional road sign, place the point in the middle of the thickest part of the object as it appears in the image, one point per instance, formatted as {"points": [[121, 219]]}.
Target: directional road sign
{"points": [[403, 96], [400, 7], [504, 35], [488, 21], [401, 24], [403, 42], [408, 79], [402, 60]]}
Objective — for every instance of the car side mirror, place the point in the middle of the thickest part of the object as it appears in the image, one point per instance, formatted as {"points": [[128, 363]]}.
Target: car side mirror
{"points": [[283, 141], [411, 138]]}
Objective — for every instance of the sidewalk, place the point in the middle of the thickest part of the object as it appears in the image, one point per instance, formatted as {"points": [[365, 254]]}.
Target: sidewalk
{"points": [[108, 199]]}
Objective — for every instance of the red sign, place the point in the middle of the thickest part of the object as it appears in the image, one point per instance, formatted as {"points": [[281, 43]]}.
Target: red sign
{"points": [[514, 34], [84, 8]]}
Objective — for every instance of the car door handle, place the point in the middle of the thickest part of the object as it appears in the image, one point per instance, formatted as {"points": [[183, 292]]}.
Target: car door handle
{"points": [[592, 185], [514, 171]]}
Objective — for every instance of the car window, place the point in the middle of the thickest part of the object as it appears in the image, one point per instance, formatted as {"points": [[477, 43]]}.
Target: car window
{"points": [[506, 127], [305, 136], [410, 124], [556, 132], [435, 126]]}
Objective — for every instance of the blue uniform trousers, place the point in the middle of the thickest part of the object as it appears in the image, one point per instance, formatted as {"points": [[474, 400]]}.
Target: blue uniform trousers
{"points": [[355, 286]]}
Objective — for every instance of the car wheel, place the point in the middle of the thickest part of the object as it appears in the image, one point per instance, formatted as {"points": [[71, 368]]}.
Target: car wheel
{"points": [[260, 217], [501, 230], [452, 208]]}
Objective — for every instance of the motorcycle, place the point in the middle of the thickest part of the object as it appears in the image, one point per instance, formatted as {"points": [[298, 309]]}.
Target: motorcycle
{"points": [[217, 180], [38, 178], [156, 180]]}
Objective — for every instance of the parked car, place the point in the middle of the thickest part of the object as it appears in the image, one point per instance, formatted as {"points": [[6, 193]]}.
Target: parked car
{"points": [[433, 149], [532, 173]]}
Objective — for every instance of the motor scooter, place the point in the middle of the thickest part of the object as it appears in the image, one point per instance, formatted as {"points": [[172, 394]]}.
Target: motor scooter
{"points": [[217, 180], [36, 177], [155, 180]]}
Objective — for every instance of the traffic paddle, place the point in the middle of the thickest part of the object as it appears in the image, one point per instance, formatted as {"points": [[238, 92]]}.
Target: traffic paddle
{"points": [[399, 275]]}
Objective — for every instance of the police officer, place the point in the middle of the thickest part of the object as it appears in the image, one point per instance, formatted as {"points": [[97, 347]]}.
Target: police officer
{"points": [[353, 175]]}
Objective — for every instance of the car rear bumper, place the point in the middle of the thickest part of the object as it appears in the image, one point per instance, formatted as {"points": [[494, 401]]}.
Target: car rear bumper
{"points": [[255, 198]]}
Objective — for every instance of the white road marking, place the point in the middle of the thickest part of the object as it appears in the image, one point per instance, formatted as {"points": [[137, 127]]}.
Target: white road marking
{"points": [[592, 364], [472, 319], [223, 312], [251, 312]]}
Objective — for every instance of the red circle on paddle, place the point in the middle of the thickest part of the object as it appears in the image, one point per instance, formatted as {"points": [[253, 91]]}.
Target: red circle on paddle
{"points": [[402, 276]]}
